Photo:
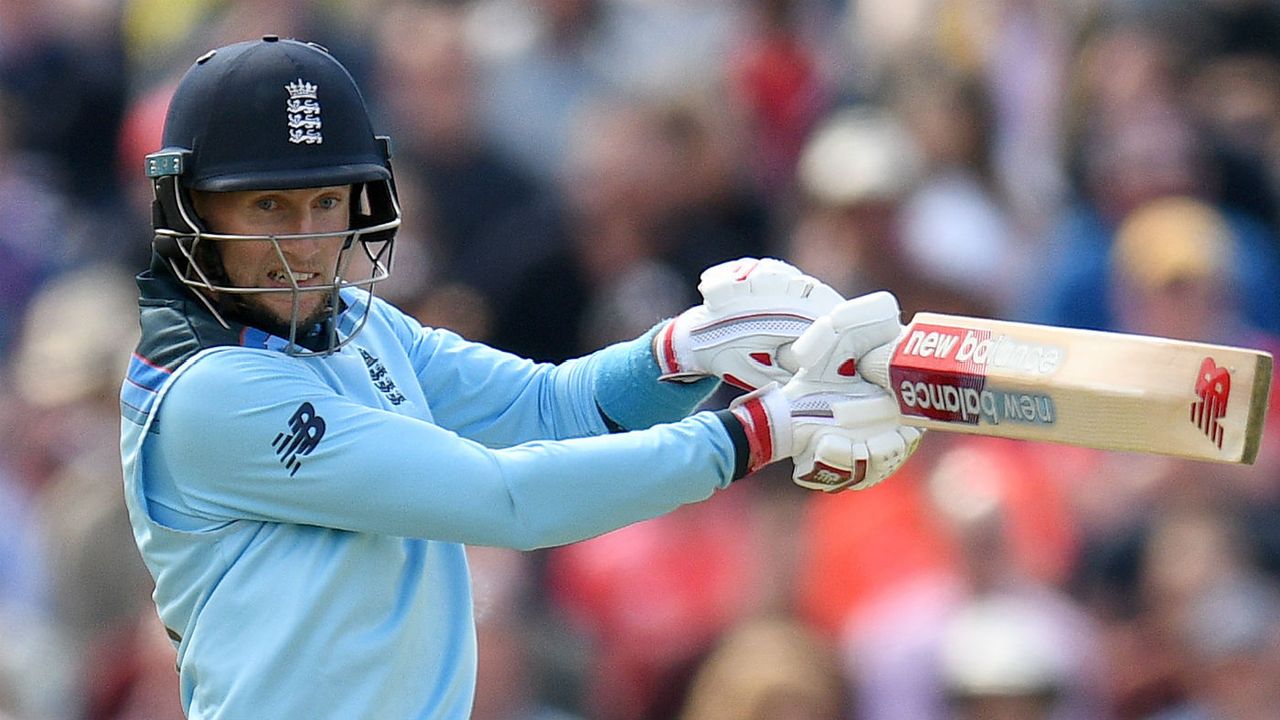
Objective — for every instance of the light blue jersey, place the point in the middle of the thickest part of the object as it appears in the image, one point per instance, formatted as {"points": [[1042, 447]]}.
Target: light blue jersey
{"points": [[304, 518]]}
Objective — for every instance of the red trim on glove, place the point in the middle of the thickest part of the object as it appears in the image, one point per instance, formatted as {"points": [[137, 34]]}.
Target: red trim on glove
{"points": [[743, 272], [755, 420], [667, 341]]}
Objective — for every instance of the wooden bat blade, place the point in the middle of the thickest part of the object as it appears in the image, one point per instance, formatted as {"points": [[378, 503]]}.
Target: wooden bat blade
{"points": [[1103, 390]]}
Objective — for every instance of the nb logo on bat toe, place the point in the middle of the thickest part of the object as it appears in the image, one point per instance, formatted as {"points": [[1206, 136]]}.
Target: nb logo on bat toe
{"points": [[1213, 386]]}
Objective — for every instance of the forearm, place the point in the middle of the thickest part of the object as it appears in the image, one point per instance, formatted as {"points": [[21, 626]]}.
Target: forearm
{"points": [[572, 490]]}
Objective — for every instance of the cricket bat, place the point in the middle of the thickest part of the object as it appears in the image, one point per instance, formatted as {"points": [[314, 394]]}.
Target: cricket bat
{"points": [[1103, 390]]}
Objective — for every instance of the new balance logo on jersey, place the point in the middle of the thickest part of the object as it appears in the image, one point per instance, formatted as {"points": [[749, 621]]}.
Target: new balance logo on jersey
{"points": [[306, 428], [381, 380]]}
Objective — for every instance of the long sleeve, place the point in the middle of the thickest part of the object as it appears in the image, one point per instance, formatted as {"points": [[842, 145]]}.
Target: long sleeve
{"points": [[286, 447]]}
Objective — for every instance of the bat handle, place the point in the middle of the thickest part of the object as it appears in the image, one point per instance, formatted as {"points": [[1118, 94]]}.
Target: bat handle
{"points": [[873, 367]]}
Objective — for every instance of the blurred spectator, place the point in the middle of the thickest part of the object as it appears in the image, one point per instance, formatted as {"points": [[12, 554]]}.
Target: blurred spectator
{"points": [[62, 71], [1007, 542], [156, 33], [1231, 88], [1232, 635], [29, 641], [1133, 141], [859, 546], [542, 61], [131, 673], [77, 336], [545, 60], [428, 85], [1191, 642], [1006, 658], [775, 81], [604, 241], [653, 598], [711, 211], [955, 227], [24, 584], [1237, 98], [1171, 265], [1218, 28], [38, 669], [856, 172], [1148, 157], [66, 370], [33, 227], [1018, 50], [140, 135], [163, 37], [516, 657], [768, 669]]}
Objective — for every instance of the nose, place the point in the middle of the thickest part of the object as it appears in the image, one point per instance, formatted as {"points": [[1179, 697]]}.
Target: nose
{"points": [[306, 222]]}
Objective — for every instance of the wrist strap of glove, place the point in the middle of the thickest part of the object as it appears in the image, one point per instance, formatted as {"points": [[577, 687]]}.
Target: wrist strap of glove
{"points": [[664, 350], [741, 445], [667, 351], [765, 415]]}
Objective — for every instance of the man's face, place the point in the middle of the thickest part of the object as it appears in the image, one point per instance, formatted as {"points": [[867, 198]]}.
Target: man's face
{"points": [[255, 263]]}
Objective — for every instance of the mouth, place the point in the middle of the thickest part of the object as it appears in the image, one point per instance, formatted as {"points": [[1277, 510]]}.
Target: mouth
{"points": [[282, 278]]}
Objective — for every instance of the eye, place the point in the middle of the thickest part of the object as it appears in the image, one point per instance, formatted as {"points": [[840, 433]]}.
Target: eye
{"points": [[329, 202], [266, 203]]}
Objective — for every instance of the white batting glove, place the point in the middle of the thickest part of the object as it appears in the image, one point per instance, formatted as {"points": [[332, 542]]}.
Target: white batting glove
{"points": [[751, 310], [841, 431]]}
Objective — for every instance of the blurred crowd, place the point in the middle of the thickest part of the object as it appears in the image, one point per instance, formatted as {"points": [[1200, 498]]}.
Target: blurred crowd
{"points": [[566, 168]]}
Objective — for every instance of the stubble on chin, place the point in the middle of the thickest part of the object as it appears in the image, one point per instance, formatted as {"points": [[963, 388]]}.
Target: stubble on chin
{"points": [[253, 310]]}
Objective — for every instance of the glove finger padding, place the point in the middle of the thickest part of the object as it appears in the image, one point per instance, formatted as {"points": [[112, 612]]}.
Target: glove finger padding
{"points": [[889, 443], [738, 285], [865, 445], [752, 309], [888, 452], [839, 461]]}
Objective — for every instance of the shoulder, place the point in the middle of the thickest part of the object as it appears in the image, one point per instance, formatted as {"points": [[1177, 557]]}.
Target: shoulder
{"points": [[235, 378], [222, 401]]}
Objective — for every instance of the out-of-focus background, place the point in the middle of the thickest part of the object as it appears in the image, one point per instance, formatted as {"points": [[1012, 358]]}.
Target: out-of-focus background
{"points": [[567, 167]]}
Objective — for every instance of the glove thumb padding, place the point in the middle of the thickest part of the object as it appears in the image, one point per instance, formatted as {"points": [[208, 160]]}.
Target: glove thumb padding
{"points": [[857, 325]]}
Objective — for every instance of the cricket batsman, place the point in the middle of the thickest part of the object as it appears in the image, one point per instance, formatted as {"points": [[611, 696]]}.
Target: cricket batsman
{"points": [[304, 463]]}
